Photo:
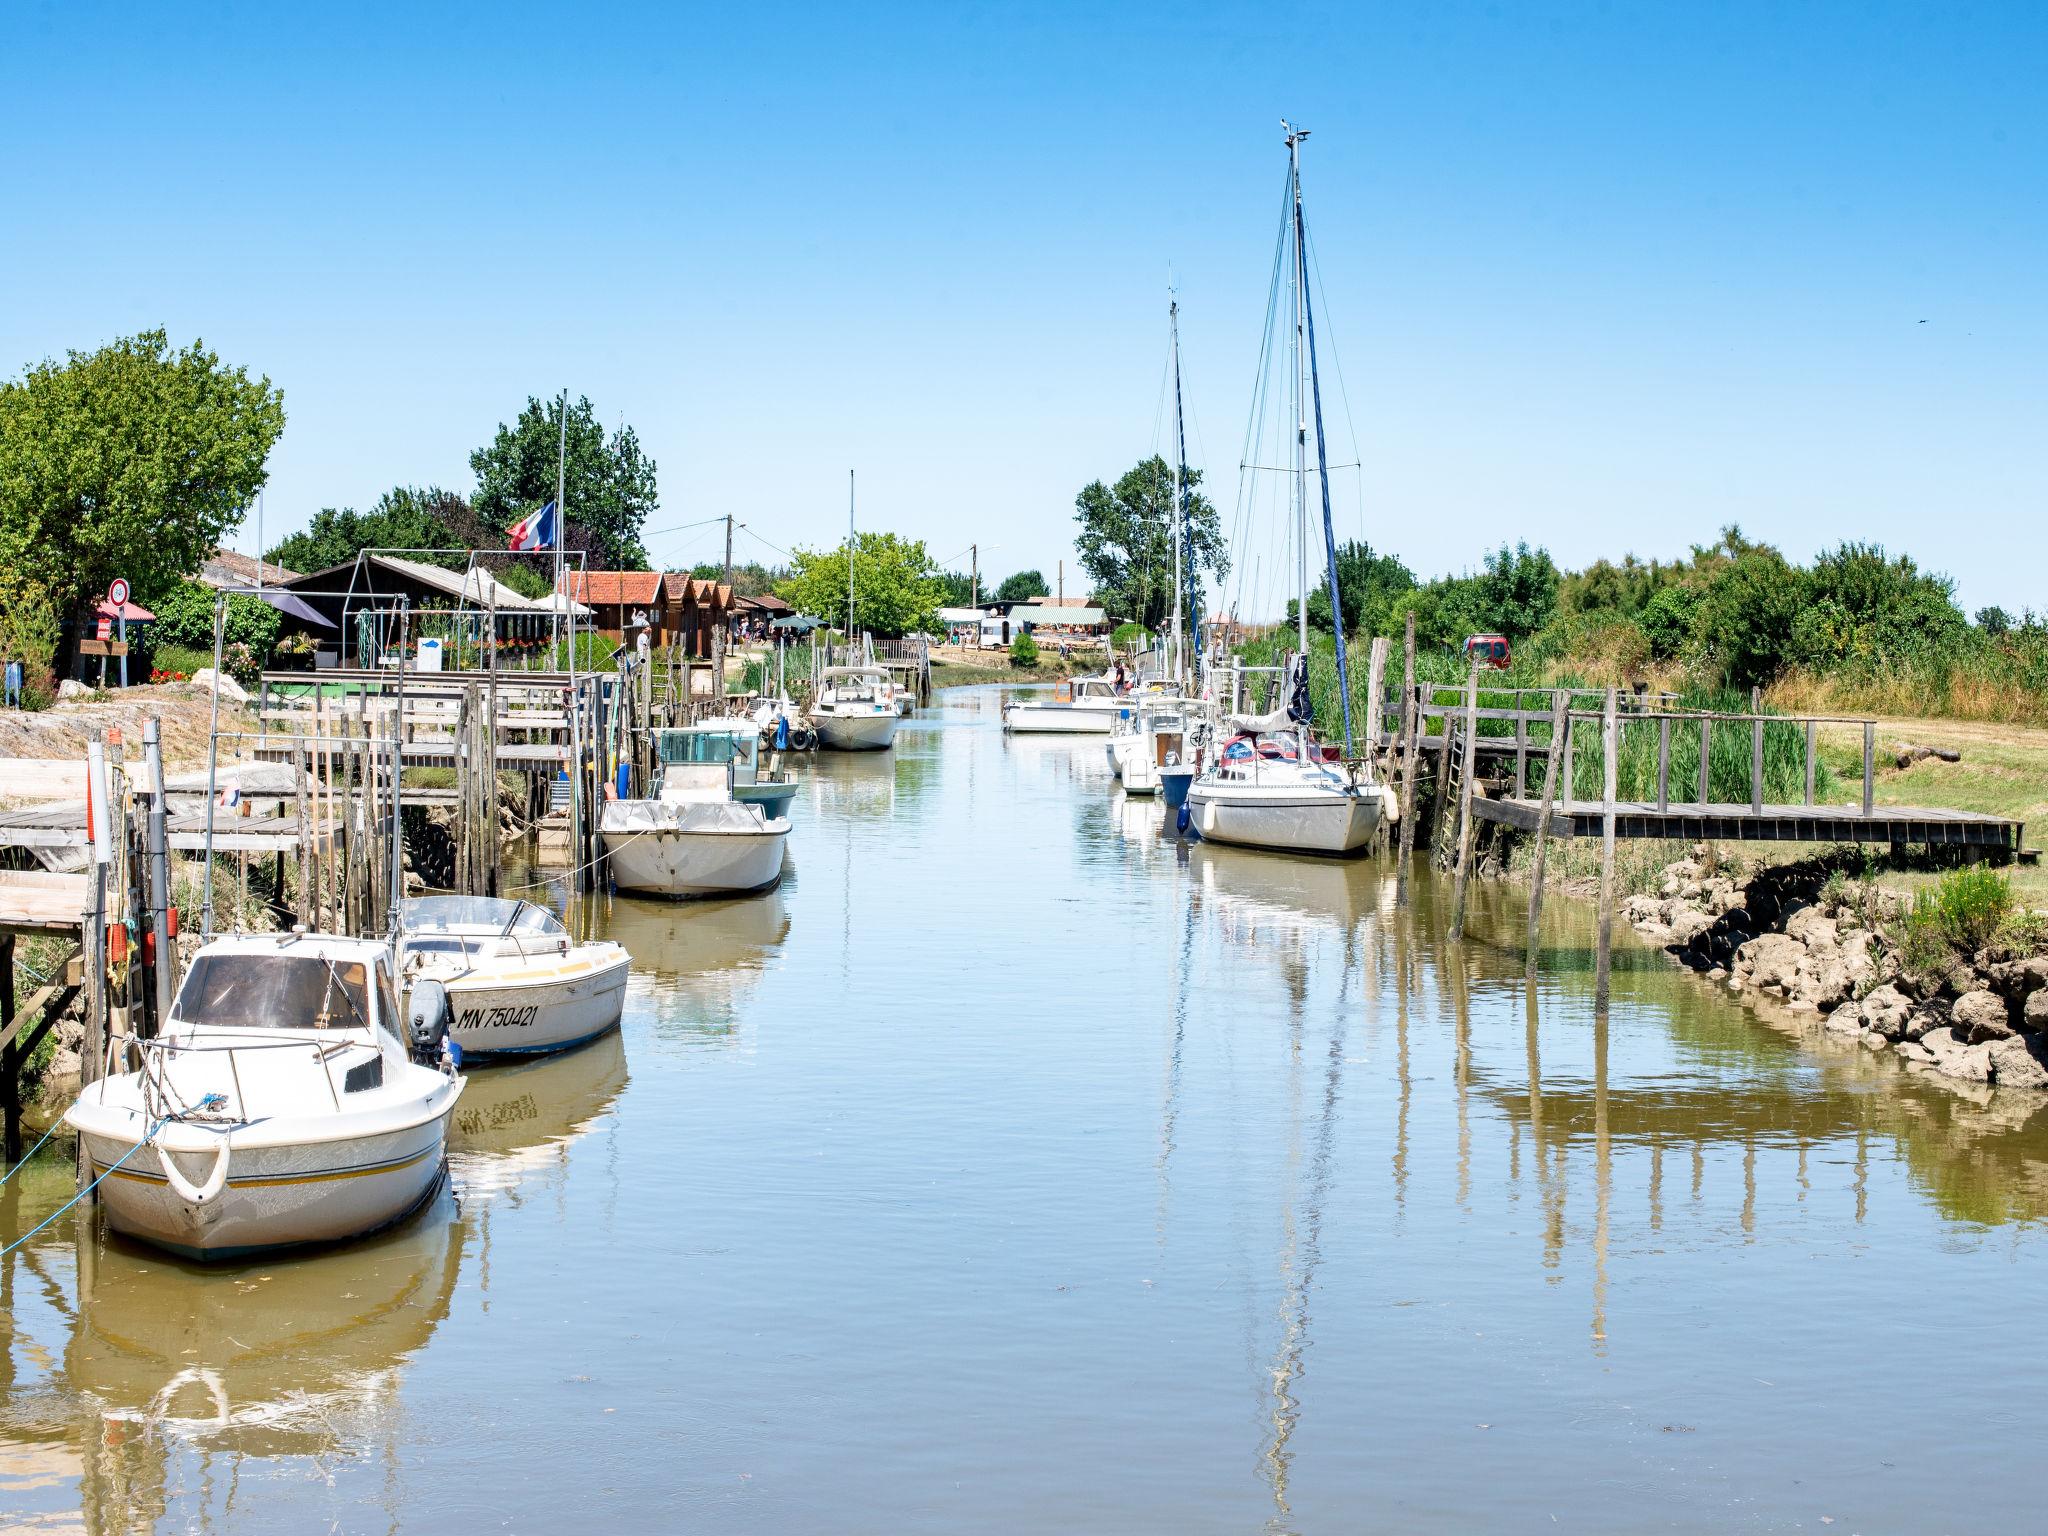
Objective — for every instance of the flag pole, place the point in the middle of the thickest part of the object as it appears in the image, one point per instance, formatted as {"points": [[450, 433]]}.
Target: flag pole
{"points": [[561, 527]]}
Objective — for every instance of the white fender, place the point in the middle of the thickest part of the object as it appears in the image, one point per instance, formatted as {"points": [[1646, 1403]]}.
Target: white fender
{"points": [[196, 1194]]}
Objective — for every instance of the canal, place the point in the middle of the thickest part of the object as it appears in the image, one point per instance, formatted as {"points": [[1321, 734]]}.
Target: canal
{"points": [[1019, 1166]]}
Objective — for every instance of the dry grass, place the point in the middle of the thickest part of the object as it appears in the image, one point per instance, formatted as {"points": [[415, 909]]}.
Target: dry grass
{"points": [[1908, 692]]}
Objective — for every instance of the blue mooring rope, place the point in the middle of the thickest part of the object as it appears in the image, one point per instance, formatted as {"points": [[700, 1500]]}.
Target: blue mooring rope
{"points": [[31, 1152], [95, 1184]]}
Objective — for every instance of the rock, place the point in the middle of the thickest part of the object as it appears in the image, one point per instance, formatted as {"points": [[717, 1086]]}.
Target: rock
{"points": [[1913, 1050], [1654, 933], [1810, 928], [226, 686], [1846, 1020], [1688, 923], [1772, 960], [1924, 1021], [1886, 1010], [1981, 1016], [72, 688], [1717, 973], [1823, 979], [2036, 1015], [1952, 1058], [2020, 1063], [2019, 978]]}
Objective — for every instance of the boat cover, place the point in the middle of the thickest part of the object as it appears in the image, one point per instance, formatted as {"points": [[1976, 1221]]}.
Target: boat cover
{"points": [[622, 816]]}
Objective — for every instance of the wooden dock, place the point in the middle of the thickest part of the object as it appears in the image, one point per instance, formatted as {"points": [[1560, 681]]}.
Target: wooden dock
{"points": [[1933, 827]]}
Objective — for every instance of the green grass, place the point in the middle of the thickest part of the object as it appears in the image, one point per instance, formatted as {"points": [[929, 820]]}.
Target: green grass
{"points": [[187, 659]]}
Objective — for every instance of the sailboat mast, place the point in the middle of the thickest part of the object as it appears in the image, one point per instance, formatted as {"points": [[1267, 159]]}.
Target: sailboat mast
{"points": [[1300, 359], [1179, 455], [849, 567]]}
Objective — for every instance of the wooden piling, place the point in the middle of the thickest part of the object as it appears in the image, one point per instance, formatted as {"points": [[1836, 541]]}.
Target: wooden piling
{"points": [[1408, 805], [1465, 779], [1609, 776], [1809, 762], [1560, 729], [1706, 759], [1869, 765], [1756, 765], [1663, 762]]}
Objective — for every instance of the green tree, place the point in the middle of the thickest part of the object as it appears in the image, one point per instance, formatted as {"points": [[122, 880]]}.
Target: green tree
{"points": [[1023, 585], [1864, 607], [959, 589], [1126, 540], [135, 460], [1994, 621], [1023, 651], [1670, 621], [610, 482], [1748, 614], [403, 518], [896, 587], [749, 578], [1515, 594], [1368, 584], [184, 616]]}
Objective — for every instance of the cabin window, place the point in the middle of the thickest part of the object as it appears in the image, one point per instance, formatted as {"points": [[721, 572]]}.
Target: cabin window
{"points": [[364, 1075], [387, 1001], [275, 991]]}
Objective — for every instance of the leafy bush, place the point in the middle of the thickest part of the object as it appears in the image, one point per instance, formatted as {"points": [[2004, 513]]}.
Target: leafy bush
{"points": [[1957, 918], [184, 617], [1125, 636], [1749, 612], [1024, 651], [178, 662], [1669, 621]]}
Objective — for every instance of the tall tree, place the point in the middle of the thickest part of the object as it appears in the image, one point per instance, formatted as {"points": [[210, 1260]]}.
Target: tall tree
{"points": [[132, 461], [610, 481], [897, 589], [1369, 584], [1023, 585], [1126, 544], [405, 517]]}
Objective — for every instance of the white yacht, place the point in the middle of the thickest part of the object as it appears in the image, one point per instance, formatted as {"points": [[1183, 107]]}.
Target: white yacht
{"points": [[855, 710], [693, 838], [279, 1105], [1083, 706], [517, 984]]}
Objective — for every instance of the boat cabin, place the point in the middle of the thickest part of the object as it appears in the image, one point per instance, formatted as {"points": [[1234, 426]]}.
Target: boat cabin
{"points": [[477, 928]]}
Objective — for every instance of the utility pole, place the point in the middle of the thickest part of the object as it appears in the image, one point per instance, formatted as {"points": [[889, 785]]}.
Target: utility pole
{"points": [[1063, 582], [725, 623], [974, 575]]}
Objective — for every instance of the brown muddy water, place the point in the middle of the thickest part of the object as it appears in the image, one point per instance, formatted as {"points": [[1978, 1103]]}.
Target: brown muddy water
{"points": [[1019, 1166]]}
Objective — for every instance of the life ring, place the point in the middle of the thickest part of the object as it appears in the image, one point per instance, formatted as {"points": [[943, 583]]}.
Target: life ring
{"points": [[194, 1194]]}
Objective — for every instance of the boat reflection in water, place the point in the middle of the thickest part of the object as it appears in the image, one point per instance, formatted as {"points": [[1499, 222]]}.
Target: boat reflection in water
{"points": [[694, 966], [518, 1120]]}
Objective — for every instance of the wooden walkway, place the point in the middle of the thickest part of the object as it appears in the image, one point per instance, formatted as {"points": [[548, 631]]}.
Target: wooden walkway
{"points": [[1762, 823]]}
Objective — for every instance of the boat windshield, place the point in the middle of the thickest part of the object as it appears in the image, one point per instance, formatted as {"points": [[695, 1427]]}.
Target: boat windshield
{"points": [[278, 991], [475, 914], [705, 747]]}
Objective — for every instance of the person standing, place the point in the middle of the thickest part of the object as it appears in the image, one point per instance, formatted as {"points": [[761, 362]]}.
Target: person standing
{"points": [[14, 685]]}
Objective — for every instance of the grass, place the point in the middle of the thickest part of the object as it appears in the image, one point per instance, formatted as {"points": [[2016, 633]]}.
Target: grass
{"points": [[187, 659]]}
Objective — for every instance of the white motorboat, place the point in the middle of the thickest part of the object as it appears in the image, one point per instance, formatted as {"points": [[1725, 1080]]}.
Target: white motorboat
{"points": [[1154, 736], [693, 838], [279, 1106], [855, 710], [1270, 787], [516, 983], [735, 740], [1084, 706]]}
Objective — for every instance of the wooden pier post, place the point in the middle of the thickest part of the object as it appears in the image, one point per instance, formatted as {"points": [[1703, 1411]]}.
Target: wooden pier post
{"points": [[1706, 758], [1560, 729], [1408, 805], [1465, 779], [1609, 776], [1569, 784], [10, 1059], [1756, 765], [1869, 765], [1663, 762], [163, 970], [1809, 762]]}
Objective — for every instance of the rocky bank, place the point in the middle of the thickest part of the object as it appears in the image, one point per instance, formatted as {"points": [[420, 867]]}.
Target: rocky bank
{"points": [[1794, 934]]}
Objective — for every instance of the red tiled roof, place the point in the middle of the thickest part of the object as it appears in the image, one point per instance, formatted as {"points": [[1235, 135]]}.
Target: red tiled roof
{"points": [[618, 587]]}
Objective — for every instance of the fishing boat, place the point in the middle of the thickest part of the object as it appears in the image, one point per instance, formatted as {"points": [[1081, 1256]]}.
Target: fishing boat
{"points": [[1150, 738], [1272, 784], [737, 740], [517, 984], [855, 710], [280, 1105], [693, 838], [1082, 706]]}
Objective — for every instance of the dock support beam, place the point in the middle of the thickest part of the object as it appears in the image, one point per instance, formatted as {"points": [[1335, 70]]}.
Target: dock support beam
{"points": [[1465, 804], [1409, 807], [1560, 728], [1604, 954]]}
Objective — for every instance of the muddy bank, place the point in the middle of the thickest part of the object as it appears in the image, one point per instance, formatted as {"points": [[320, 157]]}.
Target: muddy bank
{"points": [[1801, 936]]}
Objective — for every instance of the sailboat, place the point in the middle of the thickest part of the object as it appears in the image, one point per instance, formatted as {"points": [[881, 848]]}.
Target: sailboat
{"points": [[855, 710], [1271, 784]]}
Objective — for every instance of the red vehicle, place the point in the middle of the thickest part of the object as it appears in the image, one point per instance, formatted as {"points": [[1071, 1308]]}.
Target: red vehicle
{"points": [[1488, 650]]}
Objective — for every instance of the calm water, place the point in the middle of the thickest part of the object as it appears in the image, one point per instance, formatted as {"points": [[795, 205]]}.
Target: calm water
{"points": [[1017, 1167]]}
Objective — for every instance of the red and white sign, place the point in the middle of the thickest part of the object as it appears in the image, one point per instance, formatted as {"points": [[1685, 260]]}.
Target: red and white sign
{"points": [[106, 629], [117, 592]]}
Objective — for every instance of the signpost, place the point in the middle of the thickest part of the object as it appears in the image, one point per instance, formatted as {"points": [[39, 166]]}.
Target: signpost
{"points": [[117, 594]]}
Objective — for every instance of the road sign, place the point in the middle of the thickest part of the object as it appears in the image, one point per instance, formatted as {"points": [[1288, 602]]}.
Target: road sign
{"points": [[106, 629], [117, 591]]}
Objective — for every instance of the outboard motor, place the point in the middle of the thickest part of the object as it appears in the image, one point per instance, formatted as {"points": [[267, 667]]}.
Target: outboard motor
{"points": [[426, 1021]]}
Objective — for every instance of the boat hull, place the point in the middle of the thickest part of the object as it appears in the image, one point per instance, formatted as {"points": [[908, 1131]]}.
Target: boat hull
{"points": [[1060, 719], [856, 733], [278, 1195], [1284, 818], [502, 1018], [774, 799], [679, 863], [1173, 785]]}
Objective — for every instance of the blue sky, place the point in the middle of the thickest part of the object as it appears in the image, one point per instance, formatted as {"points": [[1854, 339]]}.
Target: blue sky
{"points": [[1604, 277]]}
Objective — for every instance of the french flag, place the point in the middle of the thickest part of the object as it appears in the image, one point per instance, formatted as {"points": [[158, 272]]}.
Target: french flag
{"points": [[534, 531]]}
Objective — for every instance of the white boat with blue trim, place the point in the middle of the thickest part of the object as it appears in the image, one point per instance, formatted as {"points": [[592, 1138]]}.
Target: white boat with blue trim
{"points": [[279, 1106]]}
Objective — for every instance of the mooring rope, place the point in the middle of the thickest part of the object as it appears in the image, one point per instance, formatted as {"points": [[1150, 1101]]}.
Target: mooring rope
{"points": [[95, 1184], [31, 1152]]}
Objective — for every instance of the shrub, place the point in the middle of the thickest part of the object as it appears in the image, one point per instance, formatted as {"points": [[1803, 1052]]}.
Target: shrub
{"points": [[184, 617], [1024, 651], [1957, 918], [1669, 620], [1750, 611], [1124, 636]]}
